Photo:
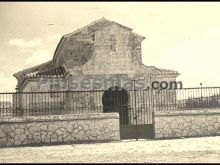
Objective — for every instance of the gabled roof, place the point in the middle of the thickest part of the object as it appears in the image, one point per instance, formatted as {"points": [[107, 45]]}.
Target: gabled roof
{"points": [[159, 71], [167, 72], [102, 20], [46, 69], [35, 69], [55, 71], [91, 25]]}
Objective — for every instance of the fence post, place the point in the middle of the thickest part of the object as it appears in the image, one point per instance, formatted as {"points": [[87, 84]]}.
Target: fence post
{"points": [[135, 110], [153, 124]]}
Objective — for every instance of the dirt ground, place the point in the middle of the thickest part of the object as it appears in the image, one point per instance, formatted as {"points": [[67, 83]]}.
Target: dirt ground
{"points": [[189, 150]]}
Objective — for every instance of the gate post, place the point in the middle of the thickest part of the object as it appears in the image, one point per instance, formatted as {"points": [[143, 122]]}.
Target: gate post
{"points": [[153, 125], [135, 104], [151, 112]]}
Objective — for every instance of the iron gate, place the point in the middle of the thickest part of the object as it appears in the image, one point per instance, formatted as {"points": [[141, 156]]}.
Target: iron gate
{"points": [[135, 111]]}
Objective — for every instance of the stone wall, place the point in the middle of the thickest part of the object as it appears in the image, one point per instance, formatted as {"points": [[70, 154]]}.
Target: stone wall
{"points": [[124, 59], [59, 129], [187, 123]]}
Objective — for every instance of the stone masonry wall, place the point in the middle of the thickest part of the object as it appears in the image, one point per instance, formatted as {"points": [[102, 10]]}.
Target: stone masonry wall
{"points": [[187, 124], [59, 129], [125, 58]]}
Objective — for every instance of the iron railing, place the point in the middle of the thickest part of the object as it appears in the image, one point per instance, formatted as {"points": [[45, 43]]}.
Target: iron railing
{"points": [[48, 103], [188, 99], [134, 101]]}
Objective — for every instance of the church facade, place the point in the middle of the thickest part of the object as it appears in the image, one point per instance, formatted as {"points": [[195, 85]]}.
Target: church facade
{"points": [[101, 51]]}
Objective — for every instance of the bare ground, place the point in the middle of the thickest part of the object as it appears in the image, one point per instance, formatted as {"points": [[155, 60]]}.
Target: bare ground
{"points": [[189, 150]]}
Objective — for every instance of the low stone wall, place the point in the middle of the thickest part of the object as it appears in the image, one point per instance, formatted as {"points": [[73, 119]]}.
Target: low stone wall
{"points": [[59, 129], [187, 123]]}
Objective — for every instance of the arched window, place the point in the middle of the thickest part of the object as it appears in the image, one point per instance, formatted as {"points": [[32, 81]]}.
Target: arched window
{"points": [[113, 43], [93, 37]]}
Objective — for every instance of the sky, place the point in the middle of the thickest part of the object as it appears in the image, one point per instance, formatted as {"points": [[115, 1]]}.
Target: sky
{"points": [[182, 36]]}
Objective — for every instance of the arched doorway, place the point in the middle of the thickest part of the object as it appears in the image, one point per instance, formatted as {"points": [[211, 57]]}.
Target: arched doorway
{"points": [[115, 99]]}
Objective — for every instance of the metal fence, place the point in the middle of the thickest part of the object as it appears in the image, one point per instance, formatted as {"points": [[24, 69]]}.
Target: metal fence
{"points": [[75, 102], [188, 99], [48, 103]]}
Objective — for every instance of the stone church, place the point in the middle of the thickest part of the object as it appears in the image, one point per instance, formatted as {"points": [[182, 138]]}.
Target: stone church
{"points": [[101, 50]]}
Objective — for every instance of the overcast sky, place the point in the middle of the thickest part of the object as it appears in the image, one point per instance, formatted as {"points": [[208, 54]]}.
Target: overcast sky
{"points": [[183, 36]]}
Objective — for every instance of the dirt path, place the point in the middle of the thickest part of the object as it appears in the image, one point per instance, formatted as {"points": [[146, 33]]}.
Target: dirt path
{"points": [[190, 150]]}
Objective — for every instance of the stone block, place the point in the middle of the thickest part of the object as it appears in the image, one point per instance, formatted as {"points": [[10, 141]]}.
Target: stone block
{"points": [[75, 131], [21, 126], [30, 137], [80, 127], [43, 132], [53, 137], [53, 127], [6, 128], [32, 129], [2, 134], [43, 127], [59, 132], [159, 135], [69, 128], [63, 129], [3, 141], [193, 127], [22, 137], [19, 131], [81, 132], [210, 128], [86, 127], [67, 138], [11, 140], [17, 142], [100, 137], [60, 138], [47, 140], [12, 127]]}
